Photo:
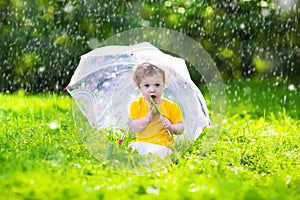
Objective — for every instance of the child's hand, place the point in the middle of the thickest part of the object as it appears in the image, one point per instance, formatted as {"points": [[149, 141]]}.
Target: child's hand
{"points": [[166, 123], [151, 112]]}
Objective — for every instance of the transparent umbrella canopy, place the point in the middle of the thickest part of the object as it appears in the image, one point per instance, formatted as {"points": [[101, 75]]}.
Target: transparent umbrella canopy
{"points": [[102, 89]]}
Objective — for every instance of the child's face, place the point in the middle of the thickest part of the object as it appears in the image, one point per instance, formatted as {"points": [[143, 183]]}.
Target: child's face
{"points": [[152, 86]]}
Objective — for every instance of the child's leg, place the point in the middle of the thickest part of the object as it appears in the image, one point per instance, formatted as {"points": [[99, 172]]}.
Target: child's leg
{"points": [[145, 148]]}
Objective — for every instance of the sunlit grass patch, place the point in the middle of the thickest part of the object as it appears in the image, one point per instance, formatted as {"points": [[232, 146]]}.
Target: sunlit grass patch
{"points": [[251, 155], [256, 155], [259, 98]]}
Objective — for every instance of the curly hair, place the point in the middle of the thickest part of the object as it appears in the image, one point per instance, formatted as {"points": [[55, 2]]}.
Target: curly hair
{"points": [[146, 69]]}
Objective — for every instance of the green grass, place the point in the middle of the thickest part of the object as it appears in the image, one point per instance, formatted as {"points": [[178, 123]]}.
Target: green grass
{"points": [[255, 157]]}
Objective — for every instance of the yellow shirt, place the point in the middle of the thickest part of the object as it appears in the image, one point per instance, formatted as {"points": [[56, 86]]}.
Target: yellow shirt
{"points": [[155, 132]]}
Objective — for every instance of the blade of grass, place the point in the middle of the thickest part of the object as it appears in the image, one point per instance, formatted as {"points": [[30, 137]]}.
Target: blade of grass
{"points": [[155, 107]]}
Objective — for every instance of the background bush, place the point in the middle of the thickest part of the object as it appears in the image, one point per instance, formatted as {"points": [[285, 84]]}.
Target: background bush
{"points": [[41, 40]]}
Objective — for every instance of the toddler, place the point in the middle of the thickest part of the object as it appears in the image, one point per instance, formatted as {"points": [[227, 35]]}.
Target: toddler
{"points": [[154, 131]]}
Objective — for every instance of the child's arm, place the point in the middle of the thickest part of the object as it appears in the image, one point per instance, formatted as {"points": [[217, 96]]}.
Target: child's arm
{"points": [[176, 129], [137, 125]]}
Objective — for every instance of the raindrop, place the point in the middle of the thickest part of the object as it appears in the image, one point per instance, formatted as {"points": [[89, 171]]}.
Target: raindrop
{"points": [[292, 87], [168, 3], [265, 13], [242, 26], [42, 69], [181, 10], [263, 4], [53, 125], [93, 43]]}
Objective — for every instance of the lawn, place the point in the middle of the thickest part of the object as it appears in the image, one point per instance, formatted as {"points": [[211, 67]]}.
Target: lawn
{"points": [[256, 155]]}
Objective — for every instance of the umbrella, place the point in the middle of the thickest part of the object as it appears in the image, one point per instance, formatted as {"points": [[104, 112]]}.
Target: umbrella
{"points": [[102, 87]]}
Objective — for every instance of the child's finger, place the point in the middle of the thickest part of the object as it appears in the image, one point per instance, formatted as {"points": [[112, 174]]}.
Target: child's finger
{"points": [[165, 122], [151, 108]]}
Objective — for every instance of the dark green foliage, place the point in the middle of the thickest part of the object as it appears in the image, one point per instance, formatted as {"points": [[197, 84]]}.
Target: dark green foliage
{"points": [[41, 41]]}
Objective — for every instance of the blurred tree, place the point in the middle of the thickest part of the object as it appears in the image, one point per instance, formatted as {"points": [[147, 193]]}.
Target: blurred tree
{"points": [[41, 40]]}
